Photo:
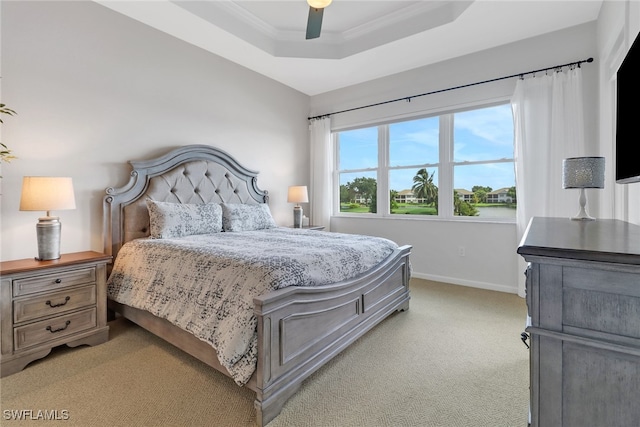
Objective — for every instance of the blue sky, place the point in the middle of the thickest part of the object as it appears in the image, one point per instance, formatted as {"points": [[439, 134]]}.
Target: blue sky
{"points": [[484, 134]]}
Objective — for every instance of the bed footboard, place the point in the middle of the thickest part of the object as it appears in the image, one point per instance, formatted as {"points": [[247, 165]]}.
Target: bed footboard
{"points": [[300, 329]]}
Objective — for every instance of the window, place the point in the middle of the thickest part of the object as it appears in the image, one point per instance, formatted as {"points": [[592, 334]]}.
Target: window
{"points": [[458, 164]]}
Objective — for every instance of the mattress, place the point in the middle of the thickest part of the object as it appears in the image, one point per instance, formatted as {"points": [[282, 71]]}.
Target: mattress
{"points": [[205, 284]]}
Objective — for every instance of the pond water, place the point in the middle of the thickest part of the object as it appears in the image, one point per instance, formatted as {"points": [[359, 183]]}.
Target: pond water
{"points": [[496, 212]]}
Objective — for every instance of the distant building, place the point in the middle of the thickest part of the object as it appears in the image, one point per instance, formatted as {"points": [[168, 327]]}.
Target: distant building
{"points": [[465, 195], [499, 196], [405, 196], [360, 199]]}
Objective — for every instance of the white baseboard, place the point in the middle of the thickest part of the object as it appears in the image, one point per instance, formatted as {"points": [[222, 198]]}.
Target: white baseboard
{"points": [[469, 283]]}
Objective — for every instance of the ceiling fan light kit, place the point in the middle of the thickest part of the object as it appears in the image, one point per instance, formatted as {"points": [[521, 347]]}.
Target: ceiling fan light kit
{"points": [[319, 4]]}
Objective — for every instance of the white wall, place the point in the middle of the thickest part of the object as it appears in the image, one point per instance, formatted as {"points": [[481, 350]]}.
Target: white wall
{"points": [[94, 89], [490, 259]]}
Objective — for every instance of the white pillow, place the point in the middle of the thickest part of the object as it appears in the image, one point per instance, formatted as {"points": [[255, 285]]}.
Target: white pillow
{"points": [[169, 220], [241, 217]]}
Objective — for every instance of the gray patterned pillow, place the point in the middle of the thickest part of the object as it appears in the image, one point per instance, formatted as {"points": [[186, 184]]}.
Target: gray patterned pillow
{"points": [[241, 217], [169, 220]]}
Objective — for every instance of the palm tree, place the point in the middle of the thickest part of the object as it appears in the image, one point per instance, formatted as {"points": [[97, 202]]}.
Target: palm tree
{"points": [[423, 186]]}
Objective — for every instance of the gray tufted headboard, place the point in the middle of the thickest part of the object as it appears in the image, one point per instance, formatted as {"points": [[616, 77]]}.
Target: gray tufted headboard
{"points": [[189, 174]]}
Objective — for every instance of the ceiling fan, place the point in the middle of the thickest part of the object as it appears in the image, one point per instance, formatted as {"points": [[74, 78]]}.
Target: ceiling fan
{"points": [[314, 22]]}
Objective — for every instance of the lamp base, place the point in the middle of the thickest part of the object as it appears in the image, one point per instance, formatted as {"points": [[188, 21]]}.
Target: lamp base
{"points": [[48, 231], [297, 217], [583, 215]]}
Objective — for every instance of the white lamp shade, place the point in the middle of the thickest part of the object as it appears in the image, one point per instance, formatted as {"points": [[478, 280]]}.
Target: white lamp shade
{"points": [[47, 193], [298, 194], [583, 172], [319, 4]]}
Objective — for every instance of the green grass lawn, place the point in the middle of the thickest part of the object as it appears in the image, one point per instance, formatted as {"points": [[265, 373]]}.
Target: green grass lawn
{"points": [[403, 209]]}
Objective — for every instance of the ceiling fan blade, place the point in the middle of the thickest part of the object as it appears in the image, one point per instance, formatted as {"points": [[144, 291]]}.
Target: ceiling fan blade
{"points": [[314, 23]]}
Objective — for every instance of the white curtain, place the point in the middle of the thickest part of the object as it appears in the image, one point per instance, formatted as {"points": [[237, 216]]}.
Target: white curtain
{"points": [[549, 126], [321, 169]]}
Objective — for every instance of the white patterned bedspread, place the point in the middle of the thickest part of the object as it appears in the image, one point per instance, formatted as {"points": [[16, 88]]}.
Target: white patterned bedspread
{"points": [[205, 284]]}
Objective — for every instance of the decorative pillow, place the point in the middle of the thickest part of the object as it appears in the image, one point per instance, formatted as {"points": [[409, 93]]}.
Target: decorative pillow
{"points": [[169, 220], [241, 217]]}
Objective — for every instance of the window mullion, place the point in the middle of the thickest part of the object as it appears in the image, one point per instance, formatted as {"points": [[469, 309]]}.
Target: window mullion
{"points": [[383, 171], [360, 170], [445, 181], [481, 162]]}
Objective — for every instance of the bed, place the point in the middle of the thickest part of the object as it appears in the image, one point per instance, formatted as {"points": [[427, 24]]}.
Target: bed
{"points": [[296, 322]]}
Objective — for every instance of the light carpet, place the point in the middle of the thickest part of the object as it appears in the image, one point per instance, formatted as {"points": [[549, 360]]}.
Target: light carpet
{"points": [[454, 359]]}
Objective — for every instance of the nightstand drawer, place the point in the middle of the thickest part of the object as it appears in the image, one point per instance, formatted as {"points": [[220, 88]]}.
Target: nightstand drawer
{"points": [[55, 328], [53, 303], [49, 282]]}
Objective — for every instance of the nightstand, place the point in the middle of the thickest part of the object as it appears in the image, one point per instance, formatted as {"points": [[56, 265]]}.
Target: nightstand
{"points": [[44, 304], [310, 227]]}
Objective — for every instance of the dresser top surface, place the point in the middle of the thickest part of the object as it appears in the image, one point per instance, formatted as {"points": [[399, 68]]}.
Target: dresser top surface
{"points": [[605, 240]]}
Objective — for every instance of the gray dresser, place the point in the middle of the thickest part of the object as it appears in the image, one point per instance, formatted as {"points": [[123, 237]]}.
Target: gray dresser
{"points": [[583, 297]]}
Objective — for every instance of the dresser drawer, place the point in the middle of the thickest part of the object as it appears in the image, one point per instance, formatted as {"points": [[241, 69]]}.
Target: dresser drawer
{"points": [[53, 281], [53, 303], [54, 328], [601, 301]]}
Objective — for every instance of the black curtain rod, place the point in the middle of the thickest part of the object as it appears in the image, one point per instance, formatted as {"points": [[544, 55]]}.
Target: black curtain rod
{"points": [[408, 98]]}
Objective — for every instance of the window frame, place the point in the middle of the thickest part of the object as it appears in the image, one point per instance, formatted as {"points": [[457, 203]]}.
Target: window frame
{"points": [[445, 165]]}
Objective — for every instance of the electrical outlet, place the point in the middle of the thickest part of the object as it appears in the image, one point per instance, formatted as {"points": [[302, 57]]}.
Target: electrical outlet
{"points": [[461, 251]]}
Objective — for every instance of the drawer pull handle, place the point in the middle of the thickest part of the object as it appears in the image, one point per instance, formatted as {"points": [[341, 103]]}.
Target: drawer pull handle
{"points": [[58, 281], [53, 331], [66, 300], [524, 337]]}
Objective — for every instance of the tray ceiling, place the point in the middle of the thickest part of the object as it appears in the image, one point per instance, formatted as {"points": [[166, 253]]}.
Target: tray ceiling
{"points": [[361, 39]]}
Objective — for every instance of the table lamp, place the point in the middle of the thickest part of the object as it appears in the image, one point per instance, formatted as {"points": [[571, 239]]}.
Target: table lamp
{"points": [[297, 194], [47, 193], [583, 172]]}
